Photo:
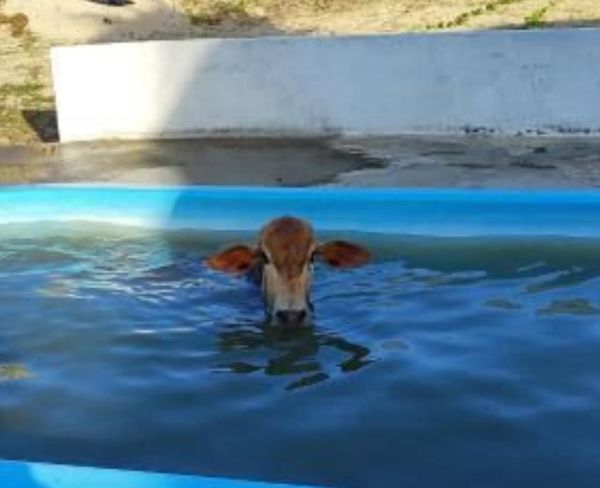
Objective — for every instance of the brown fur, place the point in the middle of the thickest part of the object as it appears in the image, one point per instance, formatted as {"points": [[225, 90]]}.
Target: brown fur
{"points": [[237, 259], [288, 243]]}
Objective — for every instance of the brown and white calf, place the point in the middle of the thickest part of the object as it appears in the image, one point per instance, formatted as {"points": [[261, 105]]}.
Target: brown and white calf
{"points": [[282, 259]]}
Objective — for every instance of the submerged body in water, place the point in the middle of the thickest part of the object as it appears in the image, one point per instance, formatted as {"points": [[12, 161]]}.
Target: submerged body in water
{"points": [[479, 357]]}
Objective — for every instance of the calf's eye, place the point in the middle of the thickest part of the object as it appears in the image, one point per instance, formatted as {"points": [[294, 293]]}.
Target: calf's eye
{"points": [[264, 257]]}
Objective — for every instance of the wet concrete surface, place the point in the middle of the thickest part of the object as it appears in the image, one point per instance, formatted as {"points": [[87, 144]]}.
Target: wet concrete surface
{"points": [[407, 161], [478, 162], [181, 162]]}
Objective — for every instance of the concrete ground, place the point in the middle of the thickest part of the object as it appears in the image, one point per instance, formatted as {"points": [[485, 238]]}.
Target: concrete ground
{"points": [[478, 162], [185, 162], [408, 161]]}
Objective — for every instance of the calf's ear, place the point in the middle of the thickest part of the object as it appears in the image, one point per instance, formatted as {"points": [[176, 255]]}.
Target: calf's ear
{"points": [[342, 254], [236, 259]]}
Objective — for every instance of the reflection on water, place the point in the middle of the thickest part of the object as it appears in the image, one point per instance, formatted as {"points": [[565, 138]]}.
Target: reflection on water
{"points": [[13, 372], [293, 352], [576, 306]]}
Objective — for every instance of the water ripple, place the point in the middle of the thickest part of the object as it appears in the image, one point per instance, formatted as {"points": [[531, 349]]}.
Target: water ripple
{"points": [[480, 356]]}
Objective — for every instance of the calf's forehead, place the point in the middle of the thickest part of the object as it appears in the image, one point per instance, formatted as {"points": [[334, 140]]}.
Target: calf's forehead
{"points": [[288, 241], [285, 230]]}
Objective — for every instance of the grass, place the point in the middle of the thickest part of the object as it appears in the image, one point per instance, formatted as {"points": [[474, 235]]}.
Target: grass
{"points": [[26, 92], [213, 13], [536, 18], [462, 18], [26, 88], [16, 100], [223, 17]]}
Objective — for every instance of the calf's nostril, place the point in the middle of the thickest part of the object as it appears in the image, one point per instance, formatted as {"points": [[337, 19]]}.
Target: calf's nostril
{"points": [[291, 316], [284, 316]]}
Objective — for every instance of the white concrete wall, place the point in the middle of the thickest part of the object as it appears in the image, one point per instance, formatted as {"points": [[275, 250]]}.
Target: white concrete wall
{"points": [[544, 81]]}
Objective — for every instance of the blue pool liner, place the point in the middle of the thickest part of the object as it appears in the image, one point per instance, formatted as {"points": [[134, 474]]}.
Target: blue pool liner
{"points": [[19, 474], [391, 211]]}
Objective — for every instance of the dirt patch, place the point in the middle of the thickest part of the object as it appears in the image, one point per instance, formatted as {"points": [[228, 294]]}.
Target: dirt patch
{"points": [[253, 17], [17, 23]]}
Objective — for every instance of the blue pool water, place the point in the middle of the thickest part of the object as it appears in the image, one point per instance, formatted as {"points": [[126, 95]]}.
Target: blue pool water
{"points": [[445, 362]]}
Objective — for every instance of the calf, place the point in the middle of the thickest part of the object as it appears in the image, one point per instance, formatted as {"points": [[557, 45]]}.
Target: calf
{"points": [[282, 259]]}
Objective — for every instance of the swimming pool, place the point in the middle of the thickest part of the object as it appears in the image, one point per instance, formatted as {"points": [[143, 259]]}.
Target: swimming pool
{"points": [[466, 353]]}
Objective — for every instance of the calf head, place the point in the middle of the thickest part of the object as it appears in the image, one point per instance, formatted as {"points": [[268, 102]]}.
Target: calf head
{"points": [[283, 259]]}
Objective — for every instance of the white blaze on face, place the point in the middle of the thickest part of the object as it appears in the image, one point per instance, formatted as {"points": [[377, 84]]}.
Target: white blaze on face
{"points": [[284, 293]]}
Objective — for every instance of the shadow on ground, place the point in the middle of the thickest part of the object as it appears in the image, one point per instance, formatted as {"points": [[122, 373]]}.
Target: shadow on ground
{"points": [[43, 122], [263, 162]]}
